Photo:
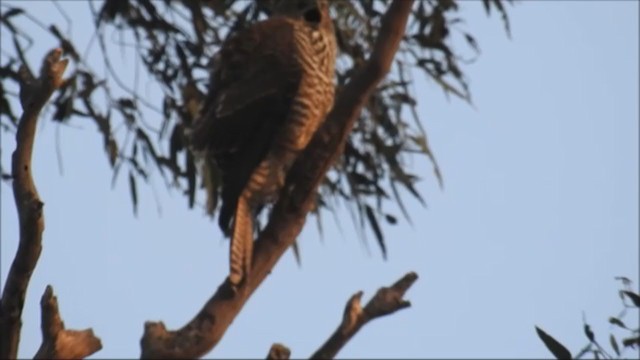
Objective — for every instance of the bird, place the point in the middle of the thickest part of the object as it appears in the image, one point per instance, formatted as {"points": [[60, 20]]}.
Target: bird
{"points": [[271, 86]]}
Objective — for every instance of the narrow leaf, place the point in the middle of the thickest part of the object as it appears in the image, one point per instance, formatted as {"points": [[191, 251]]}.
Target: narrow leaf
{"points": [[11, 12], [296, 253], [396, 194], [614, 344], [584, 350], [175, 143], [134, 193], [112, 151], [557, 349], [191, 179], [211, 183], [631, 342], [376, 230], [616, 321], [472, 42], [589, 333], [634, 297], [391, 219], [487, 6], [625, 280]]}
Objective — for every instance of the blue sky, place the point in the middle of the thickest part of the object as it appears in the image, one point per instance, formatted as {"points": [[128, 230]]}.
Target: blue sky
{"points": [[538, 214]]}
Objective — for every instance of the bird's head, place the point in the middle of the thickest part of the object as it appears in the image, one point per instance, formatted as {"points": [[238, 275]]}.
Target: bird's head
{"points": [[315, 12]]}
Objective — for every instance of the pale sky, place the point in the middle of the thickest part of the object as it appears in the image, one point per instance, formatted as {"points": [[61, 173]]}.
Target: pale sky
{"points": [[538, 214]]}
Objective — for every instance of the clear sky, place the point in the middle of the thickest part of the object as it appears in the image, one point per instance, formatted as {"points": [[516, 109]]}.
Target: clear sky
{"points": [[538, 214]]}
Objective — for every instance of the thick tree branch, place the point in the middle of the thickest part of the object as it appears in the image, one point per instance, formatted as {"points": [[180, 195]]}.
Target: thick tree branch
{"points": [[386, 301], [278, 352], [202, 333], [34, 94], [58, 343]]}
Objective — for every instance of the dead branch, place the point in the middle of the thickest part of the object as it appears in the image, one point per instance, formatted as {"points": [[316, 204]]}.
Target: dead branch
{"points": [[34, 94], [278, 352], [386, 301], [57, 342], [206, 329]]}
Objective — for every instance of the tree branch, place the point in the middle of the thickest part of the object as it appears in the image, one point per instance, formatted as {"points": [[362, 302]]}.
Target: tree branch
{"points": [[204, 331], [386, 301], [34, 94], [278, 352], [58, 343]]}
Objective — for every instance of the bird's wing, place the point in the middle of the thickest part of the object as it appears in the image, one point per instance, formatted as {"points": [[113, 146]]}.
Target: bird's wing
{"points": [[254, 80]]}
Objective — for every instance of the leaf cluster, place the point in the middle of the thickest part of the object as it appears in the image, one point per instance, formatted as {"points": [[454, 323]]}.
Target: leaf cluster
{"points": [[630, 303]]}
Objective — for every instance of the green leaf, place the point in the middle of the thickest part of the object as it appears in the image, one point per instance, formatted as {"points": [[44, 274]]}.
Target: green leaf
{"points": [[589, 333], [584, 350], [396, 194], [487, 6], [176, 143], [631, 342], [211, 181], [616, 321], [391, 219], [112, 151], [191, 179], [472, 42], [625, 280], [614, 344], [557, 349], [11, 12], [376, 229], [634, 297], [134, 193], [296, 253]]}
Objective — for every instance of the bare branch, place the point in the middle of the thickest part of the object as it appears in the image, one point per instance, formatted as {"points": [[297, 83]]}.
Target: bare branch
{"points": [[278, 352], [204, 331], [34, 94], [386, 301], [58, 343]]}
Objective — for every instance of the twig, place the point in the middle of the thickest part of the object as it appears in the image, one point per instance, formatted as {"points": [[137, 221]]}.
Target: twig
{"points": [[206, 329], [386, 301], [278, 352], [34, 94], [58, 343]]}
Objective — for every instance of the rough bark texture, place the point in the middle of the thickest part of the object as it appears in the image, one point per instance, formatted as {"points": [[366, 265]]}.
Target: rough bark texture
{"points": [[206, 329], [278, 352], [386, 301], [34, 94], [59, 343]]}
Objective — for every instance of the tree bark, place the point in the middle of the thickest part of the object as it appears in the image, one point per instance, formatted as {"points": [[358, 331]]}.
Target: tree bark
{"points": [[386, 301], [278, 352], [34, 94], [206, 329], [57, 342]]}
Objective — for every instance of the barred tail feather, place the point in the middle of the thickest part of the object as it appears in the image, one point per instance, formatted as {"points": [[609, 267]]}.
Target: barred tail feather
{"points": [[241, 247]]}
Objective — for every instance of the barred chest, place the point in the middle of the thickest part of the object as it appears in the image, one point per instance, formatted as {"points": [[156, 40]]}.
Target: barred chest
{"points": [[317, 54]]}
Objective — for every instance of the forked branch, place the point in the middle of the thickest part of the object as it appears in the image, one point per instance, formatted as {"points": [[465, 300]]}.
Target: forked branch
{"points": [[206, 329], [386, 301], [57, 342]]}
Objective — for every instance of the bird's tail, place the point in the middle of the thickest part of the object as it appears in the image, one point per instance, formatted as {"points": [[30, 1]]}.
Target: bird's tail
{"points": [[241, 247]]}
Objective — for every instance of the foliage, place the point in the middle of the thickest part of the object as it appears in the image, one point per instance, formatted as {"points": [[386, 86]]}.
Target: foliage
{"points": [[175, 40], [630, 302]]}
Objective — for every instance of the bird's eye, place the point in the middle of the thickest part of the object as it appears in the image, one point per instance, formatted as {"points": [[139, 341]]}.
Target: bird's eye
{"points": [[313, 15]]}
